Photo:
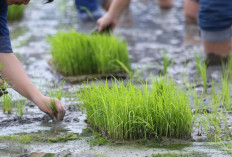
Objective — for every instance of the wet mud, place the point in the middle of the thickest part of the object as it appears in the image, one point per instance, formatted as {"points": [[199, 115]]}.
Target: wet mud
{"points": [[148, 31]]}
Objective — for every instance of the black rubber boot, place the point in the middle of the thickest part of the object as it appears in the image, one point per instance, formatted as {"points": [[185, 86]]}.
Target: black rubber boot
{"points": [[214, 59]]}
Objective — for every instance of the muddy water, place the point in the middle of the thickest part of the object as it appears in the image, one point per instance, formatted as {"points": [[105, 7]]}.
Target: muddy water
{"points": [[148, 31]]}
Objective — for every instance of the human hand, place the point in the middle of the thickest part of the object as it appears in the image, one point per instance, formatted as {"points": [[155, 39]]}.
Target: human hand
{"points": [[53, 108], [106, 21], [17, 2], [2, 87]]}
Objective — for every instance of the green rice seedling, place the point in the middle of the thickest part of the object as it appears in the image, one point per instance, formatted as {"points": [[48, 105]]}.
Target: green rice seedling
{"points": [[7, 103], [20, 107], [226, 129], [225, 140], [166, 62], [216, 123], [225, 91], [212, 125], [57, 91], [227, 144], [125, 68], [53, 107], [201, 70], [216, 98], [198, 63], [198, 100], [204, 75], [75, 53], [126, 112], [229, 65], [88, 12], [15, 12]]}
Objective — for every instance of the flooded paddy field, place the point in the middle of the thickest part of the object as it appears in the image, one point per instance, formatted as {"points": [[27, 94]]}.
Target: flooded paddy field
{"points": [[148, 31]]}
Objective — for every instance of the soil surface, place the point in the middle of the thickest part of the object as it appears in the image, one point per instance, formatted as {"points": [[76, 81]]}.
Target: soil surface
{"points": [[148, 31]]}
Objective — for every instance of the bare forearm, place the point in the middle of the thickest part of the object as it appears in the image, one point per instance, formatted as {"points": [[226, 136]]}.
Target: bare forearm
{"points": [[117, 7], [13, 72]]}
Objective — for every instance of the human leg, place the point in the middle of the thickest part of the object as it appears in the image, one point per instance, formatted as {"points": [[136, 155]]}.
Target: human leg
{"points": [[216, 51], [220, 48], [15, 75], [165, 4], [191, 8], [88, 9], [215, 29]]}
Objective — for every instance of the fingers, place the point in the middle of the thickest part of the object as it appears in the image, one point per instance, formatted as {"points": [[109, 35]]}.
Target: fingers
{"points": [[100, 25], [103, 22], [61, 114], [106, 21], [60, 111], [51, 115], [56, 114]]}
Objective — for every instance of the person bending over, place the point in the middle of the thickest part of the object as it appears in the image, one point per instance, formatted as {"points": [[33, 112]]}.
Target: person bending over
{"points": [[13, 72]]}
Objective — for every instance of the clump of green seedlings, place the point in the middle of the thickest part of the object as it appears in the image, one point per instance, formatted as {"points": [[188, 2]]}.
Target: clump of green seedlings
{"points": [[20, 107], [215, 124], [126, 112], [201, 70], [191, 154], [7, 103], [57, 91], [37, 138], [166, 62], [75, 53], [98, 140], [15, 12]]}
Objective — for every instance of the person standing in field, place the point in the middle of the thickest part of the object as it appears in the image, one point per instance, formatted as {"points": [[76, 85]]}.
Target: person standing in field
{"points": [[89, 9], [191, 8], [13, 72], [214, 20]]}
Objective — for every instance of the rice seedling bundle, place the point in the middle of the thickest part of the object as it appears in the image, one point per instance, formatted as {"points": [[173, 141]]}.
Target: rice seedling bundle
{"points": [[20, 107], [126, 112], [7, 103], [74, 53], [15, 12]]}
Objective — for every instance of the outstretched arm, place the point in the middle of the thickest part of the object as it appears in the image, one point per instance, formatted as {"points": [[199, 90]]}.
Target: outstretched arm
{"points": [[13, 72], [112, 16]]}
